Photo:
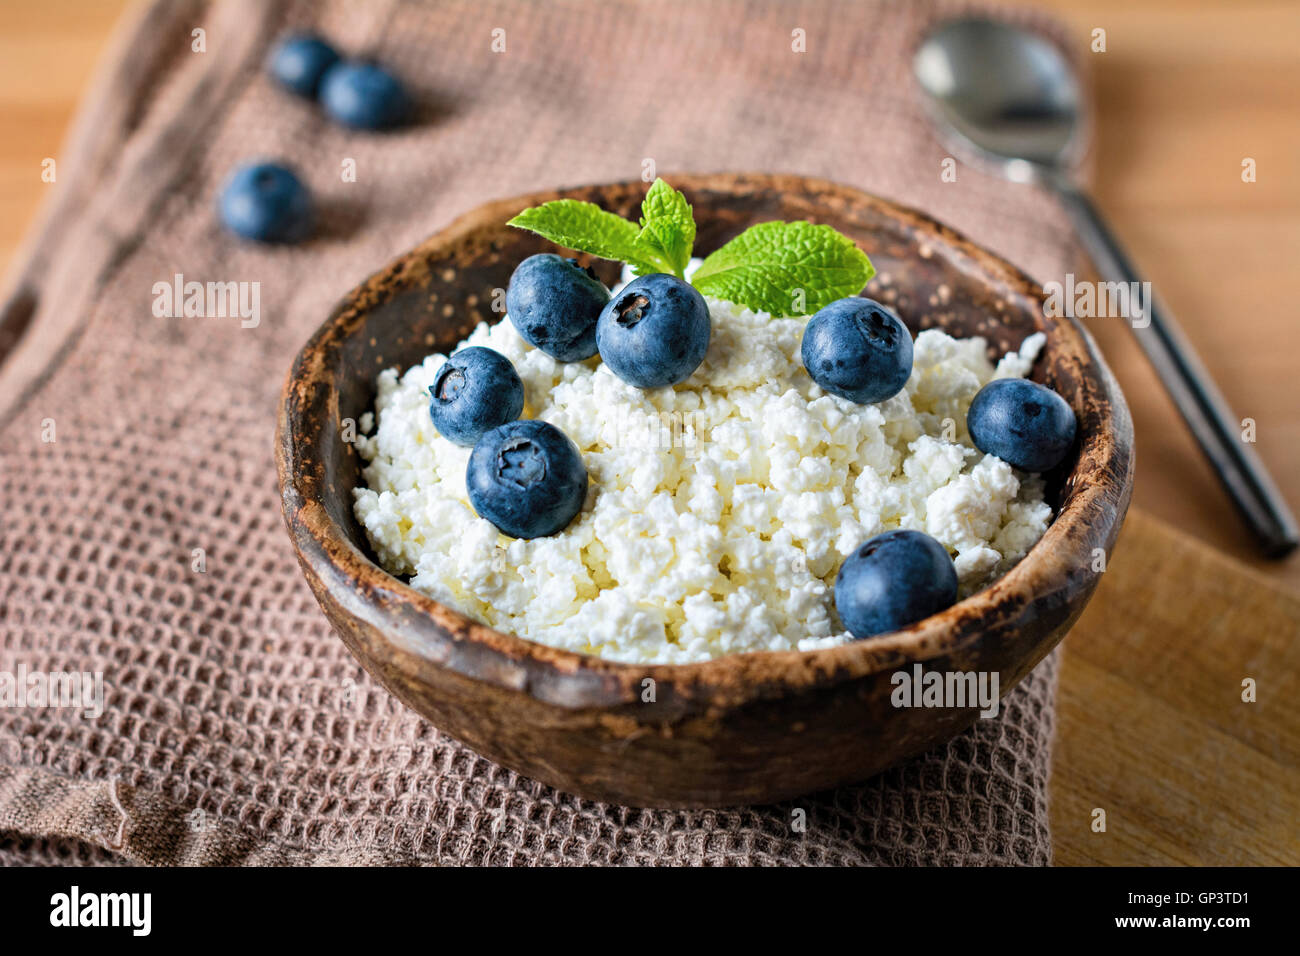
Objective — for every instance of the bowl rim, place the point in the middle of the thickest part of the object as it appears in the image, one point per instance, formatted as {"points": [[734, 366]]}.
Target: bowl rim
{"points": [[419, 631]]}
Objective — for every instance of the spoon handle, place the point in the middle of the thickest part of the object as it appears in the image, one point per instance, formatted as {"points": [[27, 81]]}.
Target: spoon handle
{"points": [[1211, 421]]}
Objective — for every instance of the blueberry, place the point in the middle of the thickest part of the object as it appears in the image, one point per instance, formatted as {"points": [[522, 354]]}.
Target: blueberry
{"points": [[299, 61], [527, 478], [364, 96], [1025, 424], [654, 332], [266, 202], [554, 304], [474, 390], [893, 580], [857, 349]]}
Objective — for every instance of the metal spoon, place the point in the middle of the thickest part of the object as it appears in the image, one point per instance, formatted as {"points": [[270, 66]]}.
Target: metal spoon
{"points": [[1009, 96]]}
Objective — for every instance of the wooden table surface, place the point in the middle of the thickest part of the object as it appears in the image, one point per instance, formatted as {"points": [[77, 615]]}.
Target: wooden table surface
{"points": [[1150, 726]]}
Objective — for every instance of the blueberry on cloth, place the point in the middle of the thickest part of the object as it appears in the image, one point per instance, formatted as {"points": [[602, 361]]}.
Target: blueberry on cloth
{"points": [[364, 95], [299, 61], [266, 202]]}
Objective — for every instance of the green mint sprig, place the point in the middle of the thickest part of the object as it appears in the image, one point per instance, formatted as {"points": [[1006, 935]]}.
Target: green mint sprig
{"points": [[784, 268]]}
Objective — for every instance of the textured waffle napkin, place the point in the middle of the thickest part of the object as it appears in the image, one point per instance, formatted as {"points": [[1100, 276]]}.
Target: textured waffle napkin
{"points": [[236, 728]]}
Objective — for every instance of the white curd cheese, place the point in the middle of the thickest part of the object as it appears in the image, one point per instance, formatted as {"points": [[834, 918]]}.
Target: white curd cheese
{"points": [[719, 510]]}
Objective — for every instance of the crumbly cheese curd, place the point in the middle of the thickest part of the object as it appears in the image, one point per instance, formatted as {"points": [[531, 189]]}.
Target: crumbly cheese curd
{"points": [[719, 510]]}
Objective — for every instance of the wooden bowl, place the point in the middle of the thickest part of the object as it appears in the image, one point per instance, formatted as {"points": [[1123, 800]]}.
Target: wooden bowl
{"points": [[748, 728]]}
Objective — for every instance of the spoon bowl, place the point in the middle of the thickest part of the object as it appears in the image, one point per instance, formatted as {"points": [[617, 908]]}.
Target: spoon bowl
{"points": [[1007, 93]]}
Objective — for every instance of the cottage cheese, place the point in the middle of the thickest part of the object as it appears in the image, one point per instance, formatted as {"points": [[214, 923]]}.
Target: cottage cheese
{"points": [[719, 510]]}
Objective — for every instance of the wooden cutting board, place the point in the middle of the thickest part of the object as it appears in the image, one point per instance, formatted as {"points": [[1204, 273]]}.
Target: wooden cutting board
{"points": [[1152, 727]]}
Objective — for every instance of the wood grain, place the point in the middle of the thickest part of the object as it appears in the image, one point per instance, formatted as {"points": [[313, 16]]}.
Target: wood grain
{"points": [[1185, 90], [48, 51], [1153, 728]]}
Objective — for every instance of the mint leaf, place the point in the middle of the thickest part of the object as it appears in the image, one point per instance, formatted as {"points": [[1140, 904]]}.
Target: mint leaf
{"points": [[586, 227], [785, 268], [667, 228]]}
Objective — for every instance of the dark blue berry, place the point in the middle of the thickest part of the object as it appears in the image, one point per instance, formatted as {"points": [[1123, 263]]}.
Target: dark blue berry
{"points": [[857, 349], [895, 579], [364, 96], [655, 331], [1025, 424], [527, 478], [266, 202], [475, 390], [554, 304], [299, 61]]}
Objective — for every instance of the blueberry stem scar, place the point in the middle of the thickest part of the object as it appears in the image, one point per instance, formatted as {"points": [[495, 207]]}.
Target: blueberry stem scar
{"points": [[630, 312], [520, 463]]}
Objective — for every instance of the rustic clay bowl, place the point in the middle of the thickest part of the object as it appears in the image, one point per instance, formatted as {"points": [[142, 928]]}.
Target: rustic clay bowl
{"points": [[743, 729]]}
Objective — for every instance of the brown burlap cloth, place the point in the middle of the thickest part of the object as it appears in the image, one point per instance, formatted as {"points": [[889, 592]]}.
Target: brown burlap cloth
{"points": [[236, 728]]}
